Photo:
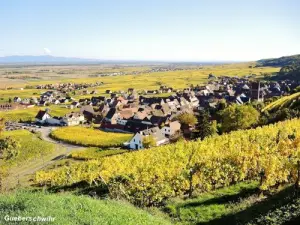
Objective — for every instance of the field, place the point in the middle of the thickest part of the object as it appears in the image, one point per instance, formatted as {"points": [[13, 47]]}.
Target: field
{"points": [[70, 210], [176, 79], [90, 137]]}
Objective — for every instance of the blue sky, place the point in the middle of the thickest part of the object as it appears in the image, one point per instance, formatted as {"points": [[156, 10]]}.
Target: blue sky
{"points": [[180, 30]]}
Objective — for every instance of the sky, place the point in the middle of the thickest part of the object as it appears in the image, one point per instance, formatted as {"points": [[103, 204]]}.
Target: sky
{"points": [[165, 30]]}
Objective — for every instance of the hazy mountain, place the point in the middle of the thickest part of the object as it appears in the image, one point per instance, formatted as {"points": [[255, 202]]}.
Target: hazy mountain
{"points": [[29, 59], [47, 59]]}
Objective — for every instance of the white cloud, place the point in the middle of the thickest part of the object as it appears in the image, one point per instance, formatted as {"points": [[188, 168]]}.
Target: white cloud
{"points": [[47, 51]]}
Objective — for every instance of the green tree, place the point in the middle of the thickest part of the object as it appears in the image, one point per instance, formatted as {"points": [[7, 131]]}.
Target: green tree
{"points": [[222, 104], [258, 105], [297, 89], [237, 117], [149, 142], [205, 127], [187, 119]]}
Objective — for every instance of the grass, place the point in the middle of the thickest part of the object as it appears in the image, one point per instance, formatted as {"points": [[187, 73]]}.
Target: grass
{"points": [[95, 153], [286, 214], [90, 137], [212, 205], [70, 209], [238, 204]]}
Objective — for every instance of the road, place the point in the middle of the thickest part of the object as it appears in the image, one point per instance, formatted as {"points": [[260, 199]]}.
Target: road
{"points": [[21, 174]]}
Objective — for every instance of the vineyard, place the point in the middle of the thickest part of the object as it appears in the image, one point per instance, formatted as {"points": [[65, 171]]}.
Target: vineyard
{"points": [[292, 101], [90, 137], [267, 154], [95, 153], [30, 146]]}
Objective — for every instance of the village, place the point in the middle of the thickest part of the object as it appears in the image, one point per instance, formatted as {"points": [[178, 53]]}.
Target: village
{"points": [[141, 112]]}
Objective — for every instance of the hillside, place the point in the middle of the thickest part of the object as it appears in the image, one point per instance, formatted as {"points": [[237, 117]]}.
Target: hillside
{"points": [[70, 210], [279, 62], [290, 67], [291, 72], [217, 162], [291, 102]]}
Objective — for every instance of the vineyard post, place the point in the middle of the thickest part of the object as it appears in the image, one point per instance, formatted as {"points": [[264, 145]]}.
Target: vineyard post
{"points": [[191, 182], [298, 176]]}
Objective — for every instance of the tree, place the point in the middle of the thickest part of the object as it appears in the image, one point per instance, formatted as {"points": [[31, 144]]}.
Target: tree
{"points": [[8, 148], [2, 125], [297, 89], [187, 119], [149, 141], [222, 104], [204, 126], [176, 136], [237, 117], [258, 105]]}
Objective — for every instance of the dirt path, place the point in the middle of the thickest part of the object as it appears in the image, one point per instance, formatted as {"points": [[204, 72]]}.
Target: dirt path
{"points": [[21, 174]]}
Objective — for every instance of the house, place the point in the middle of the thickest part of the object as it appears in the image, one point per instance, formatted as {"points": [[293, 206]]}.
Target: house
{"points": [[75, 104], [212, 77], [55, 101], [137, 141], [111, 116], [25, 101], [88, 112], [124, 116], [151, 92], [64, 100], [140, 115], [85, 92], [171, 128], [43, 117], [73, 119], [96, 100], [130, 90], [33, 100], [42, 103], [17, 99], [94, 92]]}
